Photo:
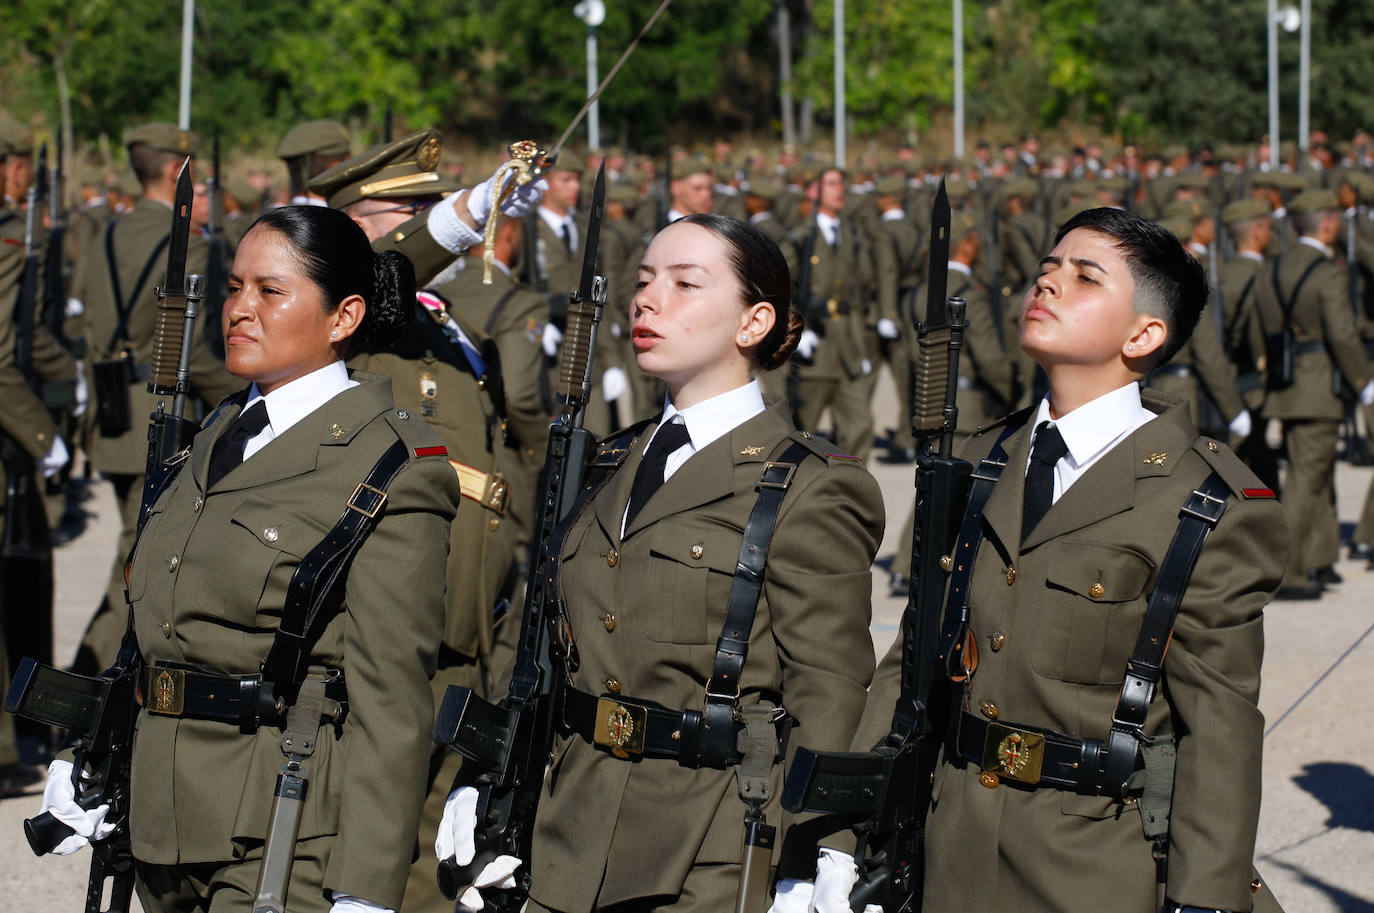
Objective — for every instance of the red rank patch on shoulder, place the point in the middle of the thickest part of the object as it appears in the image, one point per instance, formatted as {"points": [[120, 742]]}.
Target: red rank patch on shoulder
{"points": [[1258, 492], [431, 451], [15, 241]]}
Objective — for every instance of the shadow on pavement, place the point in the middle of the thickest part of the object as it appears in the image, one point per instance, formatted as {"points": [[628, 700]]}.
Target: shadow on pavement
{"points": [[1343, 899], [1346, 790]]}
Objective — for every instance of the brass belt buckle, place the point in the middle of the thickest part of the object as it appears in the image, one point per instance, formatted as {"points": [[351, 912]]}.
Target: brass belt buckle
{"points": [[620, 727], [1013, 753], [167, 691], [496, 493]]}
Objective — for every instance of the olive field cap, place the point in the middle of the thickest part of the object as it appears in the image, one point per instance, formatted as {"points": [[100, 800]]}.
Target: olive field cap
{"points": [[315, 137], [1313, 201], [164, 136], [1243, 209]]}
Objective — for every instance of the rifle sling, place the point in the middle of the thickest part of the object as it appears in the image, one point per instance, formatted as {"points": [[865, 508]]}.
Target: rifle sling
{"points": [[314, 594], [124, 308], [708, 735], [1288, 304]]}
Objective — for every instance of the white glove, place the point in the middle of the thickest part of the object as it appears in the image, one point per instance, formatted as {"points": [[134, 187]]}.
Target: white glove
{"points": [[457, 830], [59, 800], [1273, 433], [806, 346], [83, 392], [347, 903], [792, 896], [54, 459], [614, 383], [1242, 424], [836, 875], [866, 367], [75, 307], [1367, 394], [887, 328], [552, 337], [521, 200]]}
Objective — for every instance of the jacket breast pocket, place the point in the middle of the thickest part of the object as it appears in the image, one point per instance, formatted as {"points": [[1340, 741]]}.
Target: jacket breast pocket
{"points": [[256, 559], [1094, 601], [692, 567]]}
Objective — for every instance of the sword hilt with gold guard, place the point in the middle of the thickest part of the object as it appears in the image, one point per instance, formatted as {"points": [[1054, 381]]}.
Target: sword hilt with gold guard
{"points": [[527, 162]]}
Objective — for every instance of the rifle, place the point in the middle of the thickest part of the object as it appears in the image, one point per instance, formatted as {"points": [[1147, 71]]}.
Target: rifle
{"points": [[26, 530], [99, 712], [885, 792], [506, 745], [216, 278], [54, 297]]}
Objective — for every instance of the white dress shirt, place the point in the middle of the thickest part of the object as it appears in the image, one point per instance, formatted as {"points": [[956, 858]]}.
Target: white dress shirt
{"points": [[293, 401], [706, 421], [830, 228], [558, 222], [1091, 430]]}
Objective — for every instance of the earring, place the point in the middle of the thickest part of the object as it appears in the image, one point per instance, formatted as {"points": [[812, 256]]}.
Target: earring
{"points": [[334, 334], [1130, 347], [744, 338]]}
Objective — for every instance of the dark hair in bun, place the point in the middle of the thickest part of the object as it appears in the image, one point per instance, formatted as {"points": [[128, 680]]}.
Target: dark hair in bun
{"points": [[336, 256], [762, 272]]}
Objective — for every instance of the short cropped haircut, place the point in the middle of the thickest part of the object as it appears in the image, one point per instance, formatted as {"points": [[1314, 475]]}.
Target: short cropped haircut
{"points": [[148, 161], [1169, 282]]}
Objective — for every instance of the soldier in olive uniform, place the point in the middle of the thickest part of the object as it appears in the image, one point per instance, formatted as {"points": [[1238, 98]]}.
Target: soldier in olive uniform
{"points": [[1312, 293], [307, 150], [839, 375], [264, 486], [1073, 540], [1251, 313], [440, 373], [896, 251], [115, 284], [646, 571]]}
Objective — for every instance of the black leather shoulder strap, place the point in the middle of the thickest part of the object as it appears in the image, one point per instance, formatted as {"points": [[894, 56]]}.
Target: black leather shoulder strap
{"points": [[315, 592], [707, 737], [124, 307], [1289, 303]]}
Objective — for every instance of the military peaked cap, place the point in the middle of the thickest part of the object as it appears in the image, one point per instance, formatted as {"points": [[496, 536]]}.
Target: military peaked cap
{"points": [[1192, 210], [15, 138], [1240, 210], [1313, 201], [400, 169]]}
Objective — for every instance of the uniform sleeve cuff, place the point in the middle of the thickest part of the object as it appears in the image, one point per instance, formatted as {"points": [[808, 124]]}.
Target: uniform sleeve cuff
{"points": [[448, 231]]}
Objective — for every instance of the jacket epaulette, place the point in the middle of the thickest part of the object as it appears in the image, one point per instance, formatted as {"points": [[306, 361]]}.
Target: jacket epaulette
{"points": [[1235, 474], [614, 448]]}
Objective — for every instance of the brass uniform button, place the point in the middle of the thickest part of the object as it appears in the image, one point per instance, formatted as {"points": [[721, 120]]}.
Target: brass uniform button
{"points": [[998, 639], [1215, 448], [698, 551], [613, 685], [400, 236], [1011, 575], [1097, 591], [1255, 885], [988, 779], [1130, 802], [609, 621], [612, 558], [173, 562], [815, 259], [166, 630], [494, 523], [989, 709], [197, 504], [946, 563], [41, 437], [271, 534]]}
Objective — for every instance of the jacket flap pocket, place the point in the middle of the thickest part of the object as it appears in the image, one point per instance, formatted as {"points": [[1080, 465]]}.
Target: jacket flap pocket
{"points": [[1101, 573]]}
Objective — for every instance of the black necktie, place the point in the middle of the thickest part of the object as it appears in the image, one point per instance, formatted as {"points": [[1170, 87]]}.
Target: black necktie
{"points": [[567, 236], [649, 477], [1048, 449], [228, 451]]}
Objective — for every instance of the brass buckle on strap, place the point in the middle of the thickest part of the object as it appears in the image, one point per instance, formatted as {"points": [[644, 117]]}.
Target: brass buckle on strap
{"points": [[768, 477], [166, 691], [353, 498], [620, 727], [1016, 754]]}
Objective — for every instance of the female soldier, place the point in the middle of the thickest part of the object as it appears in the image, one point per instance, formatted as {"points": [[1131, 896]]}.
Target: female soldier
{"points": [[648, 570], [211, 573]]}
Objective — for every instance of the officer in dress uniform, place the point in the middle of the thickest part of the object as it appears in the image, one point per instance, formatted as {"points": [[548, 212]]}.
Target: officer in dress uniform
{"points": [[115, 287], [448, 373], [1073, 542], [1328, 363]]}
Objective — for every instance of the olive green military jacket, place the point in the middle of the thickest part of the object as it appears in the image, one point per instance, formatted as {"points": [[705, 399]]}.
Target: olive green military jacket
{"points": [[1056, 618], [646, 610], [208, 582], [836, 307], [1023, 240], [1250, 311], [432, 380], [413, 239], [1321, 317], [563, 267], [1210, 371], [136, 237], [895, 244], [23, 416]]}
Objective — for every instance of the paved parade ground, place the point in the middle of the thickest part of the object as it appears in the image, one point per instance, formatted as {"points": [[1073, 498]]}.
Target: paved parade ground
{"points": [[1316, 836]]}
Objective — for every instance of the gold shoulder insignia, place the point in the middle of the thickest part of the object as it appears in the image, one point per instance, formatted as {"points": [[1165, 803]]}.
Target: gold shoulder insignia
{"points": [[751, 450], [1156, 458]]}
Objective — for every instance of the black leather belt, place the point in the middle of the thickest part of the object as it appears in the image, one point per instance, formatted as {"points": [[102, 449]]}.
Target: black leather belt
{"points": [[630, 728], [1030, 756], [1308, 348], [1176, 370], [170, 690]]}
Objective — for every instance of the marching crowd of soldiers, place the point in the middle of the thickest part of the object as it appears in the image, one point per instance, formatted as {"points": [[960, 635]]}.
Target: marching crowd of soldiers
{"points": [[1279, 363]]}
